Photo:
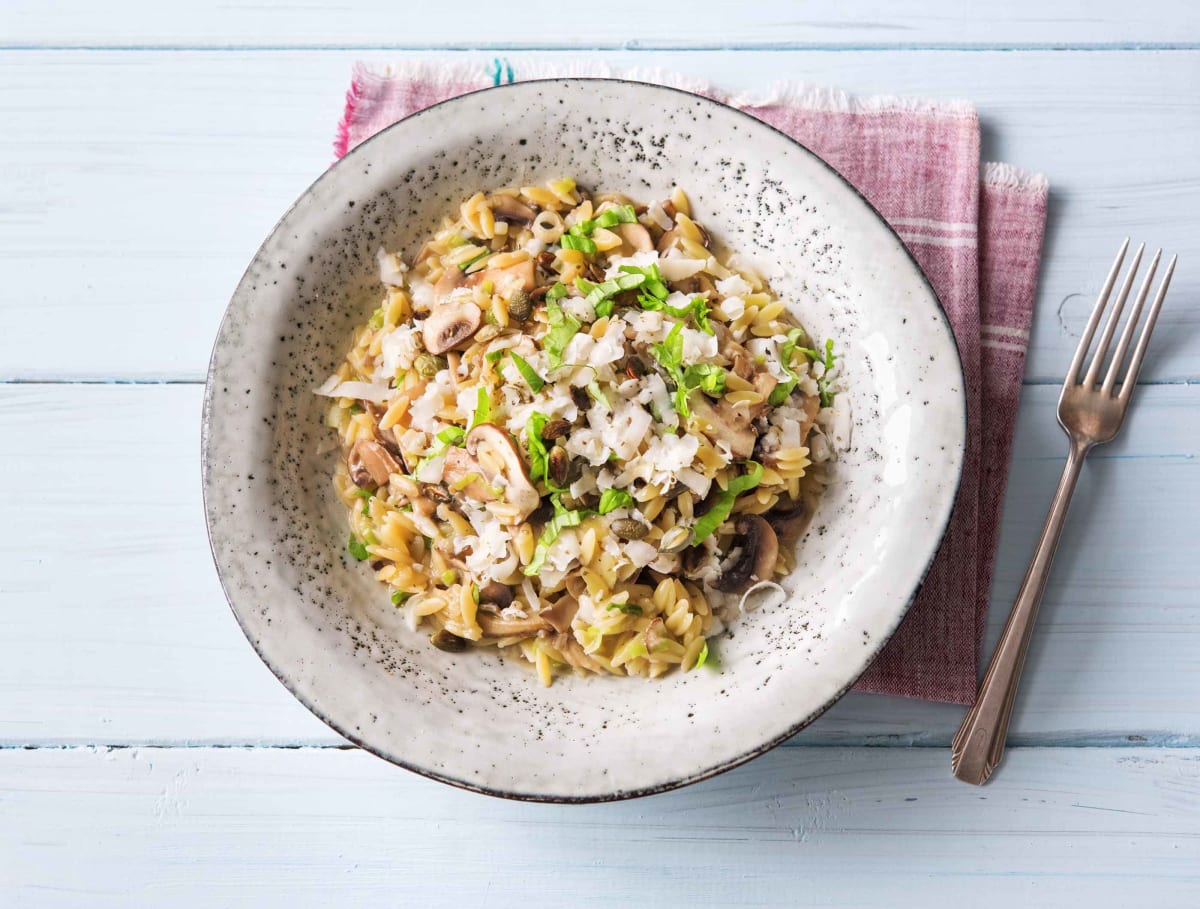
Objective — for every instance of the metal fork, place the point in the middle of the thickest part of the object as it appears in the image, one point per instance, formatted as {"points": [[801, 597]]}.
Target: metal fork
{"points": [[1091, 414]]}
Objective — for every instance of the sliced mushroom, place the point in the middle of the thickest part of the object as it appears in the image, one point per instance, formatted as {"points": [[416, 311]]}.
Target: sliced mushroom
{"points": [[636, 236], [764, 384], [760, 549], [451, 279], [572, 651], [505, 280], [463, 475], [450, 325], [722, 422], [494, 450], [741, 362], [811, 405], [668, 239], [493, 593], [561, 613], [370, 465], [495, 626], [511, 209]]}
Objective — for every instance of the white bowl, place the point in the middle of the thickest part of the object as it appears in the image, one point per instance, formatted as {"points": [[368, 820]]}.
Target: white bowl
{"points": [[325, 626]]}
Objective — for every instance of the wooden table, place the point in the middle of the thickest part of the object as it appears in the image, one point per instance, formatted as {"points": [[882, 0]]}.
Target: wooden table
{"points": [[148, 758]]}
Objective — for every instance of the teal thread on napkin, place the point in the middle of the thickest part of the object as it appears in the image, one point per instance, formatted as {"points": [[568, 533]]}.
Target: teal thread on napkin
{"points": [[501, 70]]}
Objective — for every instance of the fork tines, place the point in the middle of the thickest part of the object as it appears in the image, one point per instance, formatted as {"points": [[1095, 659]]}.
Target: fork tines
{"points": [[1129, 379]]}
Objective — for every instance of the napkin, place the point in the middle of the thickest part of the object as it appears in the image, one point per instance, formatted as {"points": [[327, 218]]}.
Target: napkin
{"points": [[976, 230]]}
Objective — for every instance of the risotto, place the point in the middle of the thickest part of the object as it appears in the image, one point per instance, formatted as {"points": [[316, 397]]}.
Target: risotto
{"points": [[575, 432]]}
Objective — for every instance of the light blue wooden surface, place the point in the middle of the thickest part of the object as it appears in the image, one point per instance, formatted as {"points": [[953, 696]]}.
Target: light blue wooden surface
{"points": [[146, 756]]}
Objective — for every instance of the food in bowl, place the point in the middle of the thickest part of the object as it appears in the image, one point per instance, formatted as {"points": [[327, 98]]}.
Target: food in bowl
{"points": [[576, 432]]}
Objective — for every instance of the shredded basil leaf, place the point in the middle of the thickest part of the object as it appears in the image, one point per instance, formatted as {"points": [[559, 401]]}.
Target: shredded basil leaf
{"points": [[583, 244], [536, 382], [463, 266], [496, 356], [556, 293], [365, 495], [400, 597], [539, 455], [708, 377], [483, 408], [376, 320], [600, 296], [669, 355], [598, 394], [826, 359], [562, 519], [627, 608], [452, 435], [702, 657], [563, 327], [707, 524], [357, 548], [612, 499]]}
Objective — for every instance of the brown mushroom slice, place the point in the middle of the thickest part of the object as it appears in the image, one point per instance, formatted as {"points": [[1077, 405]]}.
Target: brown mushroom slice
{"points": [[812, 404], [724, 423], [760, 549], [636, 236], [511, 209], [463, 475], [497, 626], [450, 325], [504, 471], [561, 614], [496, 594], [764, 383], [668, 239], [370, 465], [451, 279], [520, 276], [572, 651]]}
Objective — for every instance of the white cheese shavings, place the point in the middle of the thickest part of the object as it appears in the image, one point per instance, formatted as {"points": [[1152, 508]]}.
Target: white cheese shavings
{"points": [[391, 268]]}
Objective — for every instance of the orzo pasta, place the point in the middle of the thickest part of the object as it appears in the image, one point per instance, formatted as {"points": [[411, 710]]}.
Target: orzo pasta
{"points": [[572, 431]]}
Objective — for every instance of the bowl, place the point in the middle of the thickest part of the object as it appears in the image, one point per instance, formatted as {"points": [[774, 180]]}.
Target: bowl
{"points": [[325, 627]]}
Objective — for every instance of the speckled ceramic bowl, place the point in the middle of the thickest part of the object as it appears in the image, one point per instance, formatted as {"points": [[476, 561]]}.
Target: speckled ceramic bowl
{"points": [[326, 628]]}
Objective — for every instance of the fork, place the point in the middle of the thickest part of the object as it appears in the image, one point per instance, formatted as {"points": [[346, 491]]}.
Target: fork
{"points": [[1091, 412]]}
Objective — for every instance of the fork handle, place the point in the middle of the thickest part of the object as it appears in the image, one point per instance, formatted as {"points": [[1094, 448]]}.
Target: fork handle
{"points": [[979, 743]]}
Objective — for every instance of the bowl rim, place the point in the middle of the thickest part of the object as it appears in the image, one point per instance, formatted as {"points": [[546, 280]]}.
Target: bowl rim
{"points": [[620, 795]]}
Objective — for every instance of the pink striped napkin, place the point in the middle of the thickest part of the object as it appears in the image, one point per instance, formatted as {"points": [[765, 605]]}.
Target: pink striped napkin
{"points": [[977, 233]]}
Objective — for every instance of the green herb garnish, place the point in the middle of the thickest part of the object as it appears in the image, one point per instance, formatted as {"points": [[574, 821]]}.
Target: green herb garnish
{"points": [[562, 519], [708, 377], [365, 495], [357, 548], [721, 509], [463, 266], [496, 356], [612, 499], [483, 408], [653, 284], [536, 382], [826, 359], [669, 355], [583, 244], [556, 293], [452, 435], [702, 656], [539, 455], [598, 394], [600, 296], [627, 608], [563, 327], [376, 320], [400, 597]]}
